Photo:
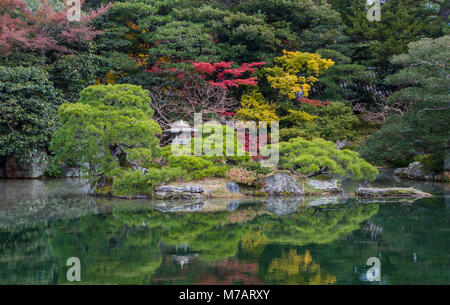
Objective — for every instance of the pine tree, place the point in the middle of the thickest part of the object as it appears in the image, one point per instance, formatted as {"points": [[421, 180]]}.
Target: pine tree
{"points": [[402, 21]]}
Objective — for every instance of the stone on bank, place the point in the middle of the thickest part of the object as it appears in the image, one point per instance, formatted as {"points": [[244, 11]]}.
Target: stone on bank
{"points": [[281, 185]]}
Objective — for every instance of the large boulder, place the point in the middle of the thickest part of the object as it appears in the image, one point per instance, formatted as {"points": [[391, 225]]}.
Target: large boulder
{"points": [[233, 187], [35, 168], [390, 192], [327, 186], [414, 171], [281, 185]]}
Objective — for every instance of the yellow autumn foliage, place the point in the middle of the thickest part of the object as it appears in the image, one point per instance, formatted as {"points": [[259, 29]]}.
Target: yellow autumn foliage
{"points": [[310, 63], [255, 108], [296, 72], [299, 116]]}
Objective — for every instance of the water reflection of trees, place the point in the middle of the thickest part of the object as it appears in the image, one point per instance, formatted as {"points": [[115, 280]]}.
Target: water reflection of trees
{"points": [[115, 247], [294, 268]]}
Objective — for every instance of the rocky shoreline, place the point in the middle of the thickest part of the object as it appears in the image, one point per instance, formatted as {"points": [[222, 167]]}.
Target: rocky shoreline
{"points": [[279, 185], [284, 185], [416, 171]]}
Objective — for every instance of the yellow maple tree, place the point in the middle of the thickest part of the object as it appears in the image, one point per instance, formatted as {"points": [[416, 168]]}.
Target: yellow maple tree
{"points": [[255, 108], [297, 72]]}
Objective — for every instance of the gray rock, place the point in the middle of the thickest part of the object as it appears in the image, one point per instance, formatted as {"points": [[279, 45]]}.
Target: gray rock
{"points": [[281, 185], [390, 192], [414, 171], [172, 192], [399, 171], [233, 187], [330, 186]]}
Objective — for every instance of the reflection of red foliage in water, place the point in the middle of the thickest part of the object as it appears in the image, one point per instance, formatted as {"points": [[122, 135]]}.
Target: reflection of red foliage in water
{"points": [[317, 103], [229, 272]]}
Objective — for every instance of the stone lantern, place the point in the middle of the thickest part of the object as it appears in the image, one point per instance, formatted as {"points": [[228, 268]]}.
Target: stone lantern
{"points": [[182, 131]]}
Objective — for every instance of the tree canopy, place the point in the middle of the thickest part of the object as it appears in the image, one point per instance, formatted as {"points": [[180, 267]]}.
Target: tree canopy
{"points": [[421, 124], [107, 128]]}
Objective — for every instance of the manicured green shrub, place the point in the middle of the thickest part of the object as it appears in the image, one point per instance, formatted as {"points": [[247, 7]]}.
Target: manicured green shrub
{"points": [[196, 167], [111, 126], [311, 158], [199, 164], [112, 131]]}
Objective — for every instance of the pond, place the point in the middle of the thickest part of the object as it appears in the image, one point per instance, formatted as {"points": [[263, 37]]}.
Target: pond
{"points": [[317, 240]]}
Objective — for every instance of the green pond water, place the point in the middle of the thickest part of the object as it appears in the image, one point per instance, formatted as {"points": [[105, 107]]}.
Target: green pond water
{"points": [[269, 241]]}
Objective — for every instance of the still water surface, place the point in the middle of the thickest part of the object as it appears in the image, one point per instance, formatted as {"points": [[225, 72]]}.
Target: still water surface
{"points": [[272, 241]]}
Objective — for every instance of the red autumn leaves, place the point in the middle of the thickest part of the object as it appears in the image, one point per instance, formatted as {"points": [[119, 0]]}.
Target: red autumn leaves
{"points": [[44, 30], [221, 74]]}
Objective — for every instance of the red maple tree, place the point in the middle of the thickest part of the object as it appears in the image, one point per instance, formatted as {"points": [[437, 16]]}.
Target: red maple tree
{"points": [[43, 30], [221, 74]]}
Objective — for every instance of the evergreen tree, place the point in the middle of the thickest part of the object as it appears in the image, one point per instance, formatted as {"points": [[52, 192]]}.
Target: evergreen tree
{"points": [[402, 21], [110, 127], [28, 107], [421, 125]]}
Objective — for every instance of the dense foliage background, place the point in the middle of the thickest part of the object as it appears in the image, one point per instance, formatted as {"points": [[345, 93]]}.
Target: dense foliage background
{"points": [[319, 67]]}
